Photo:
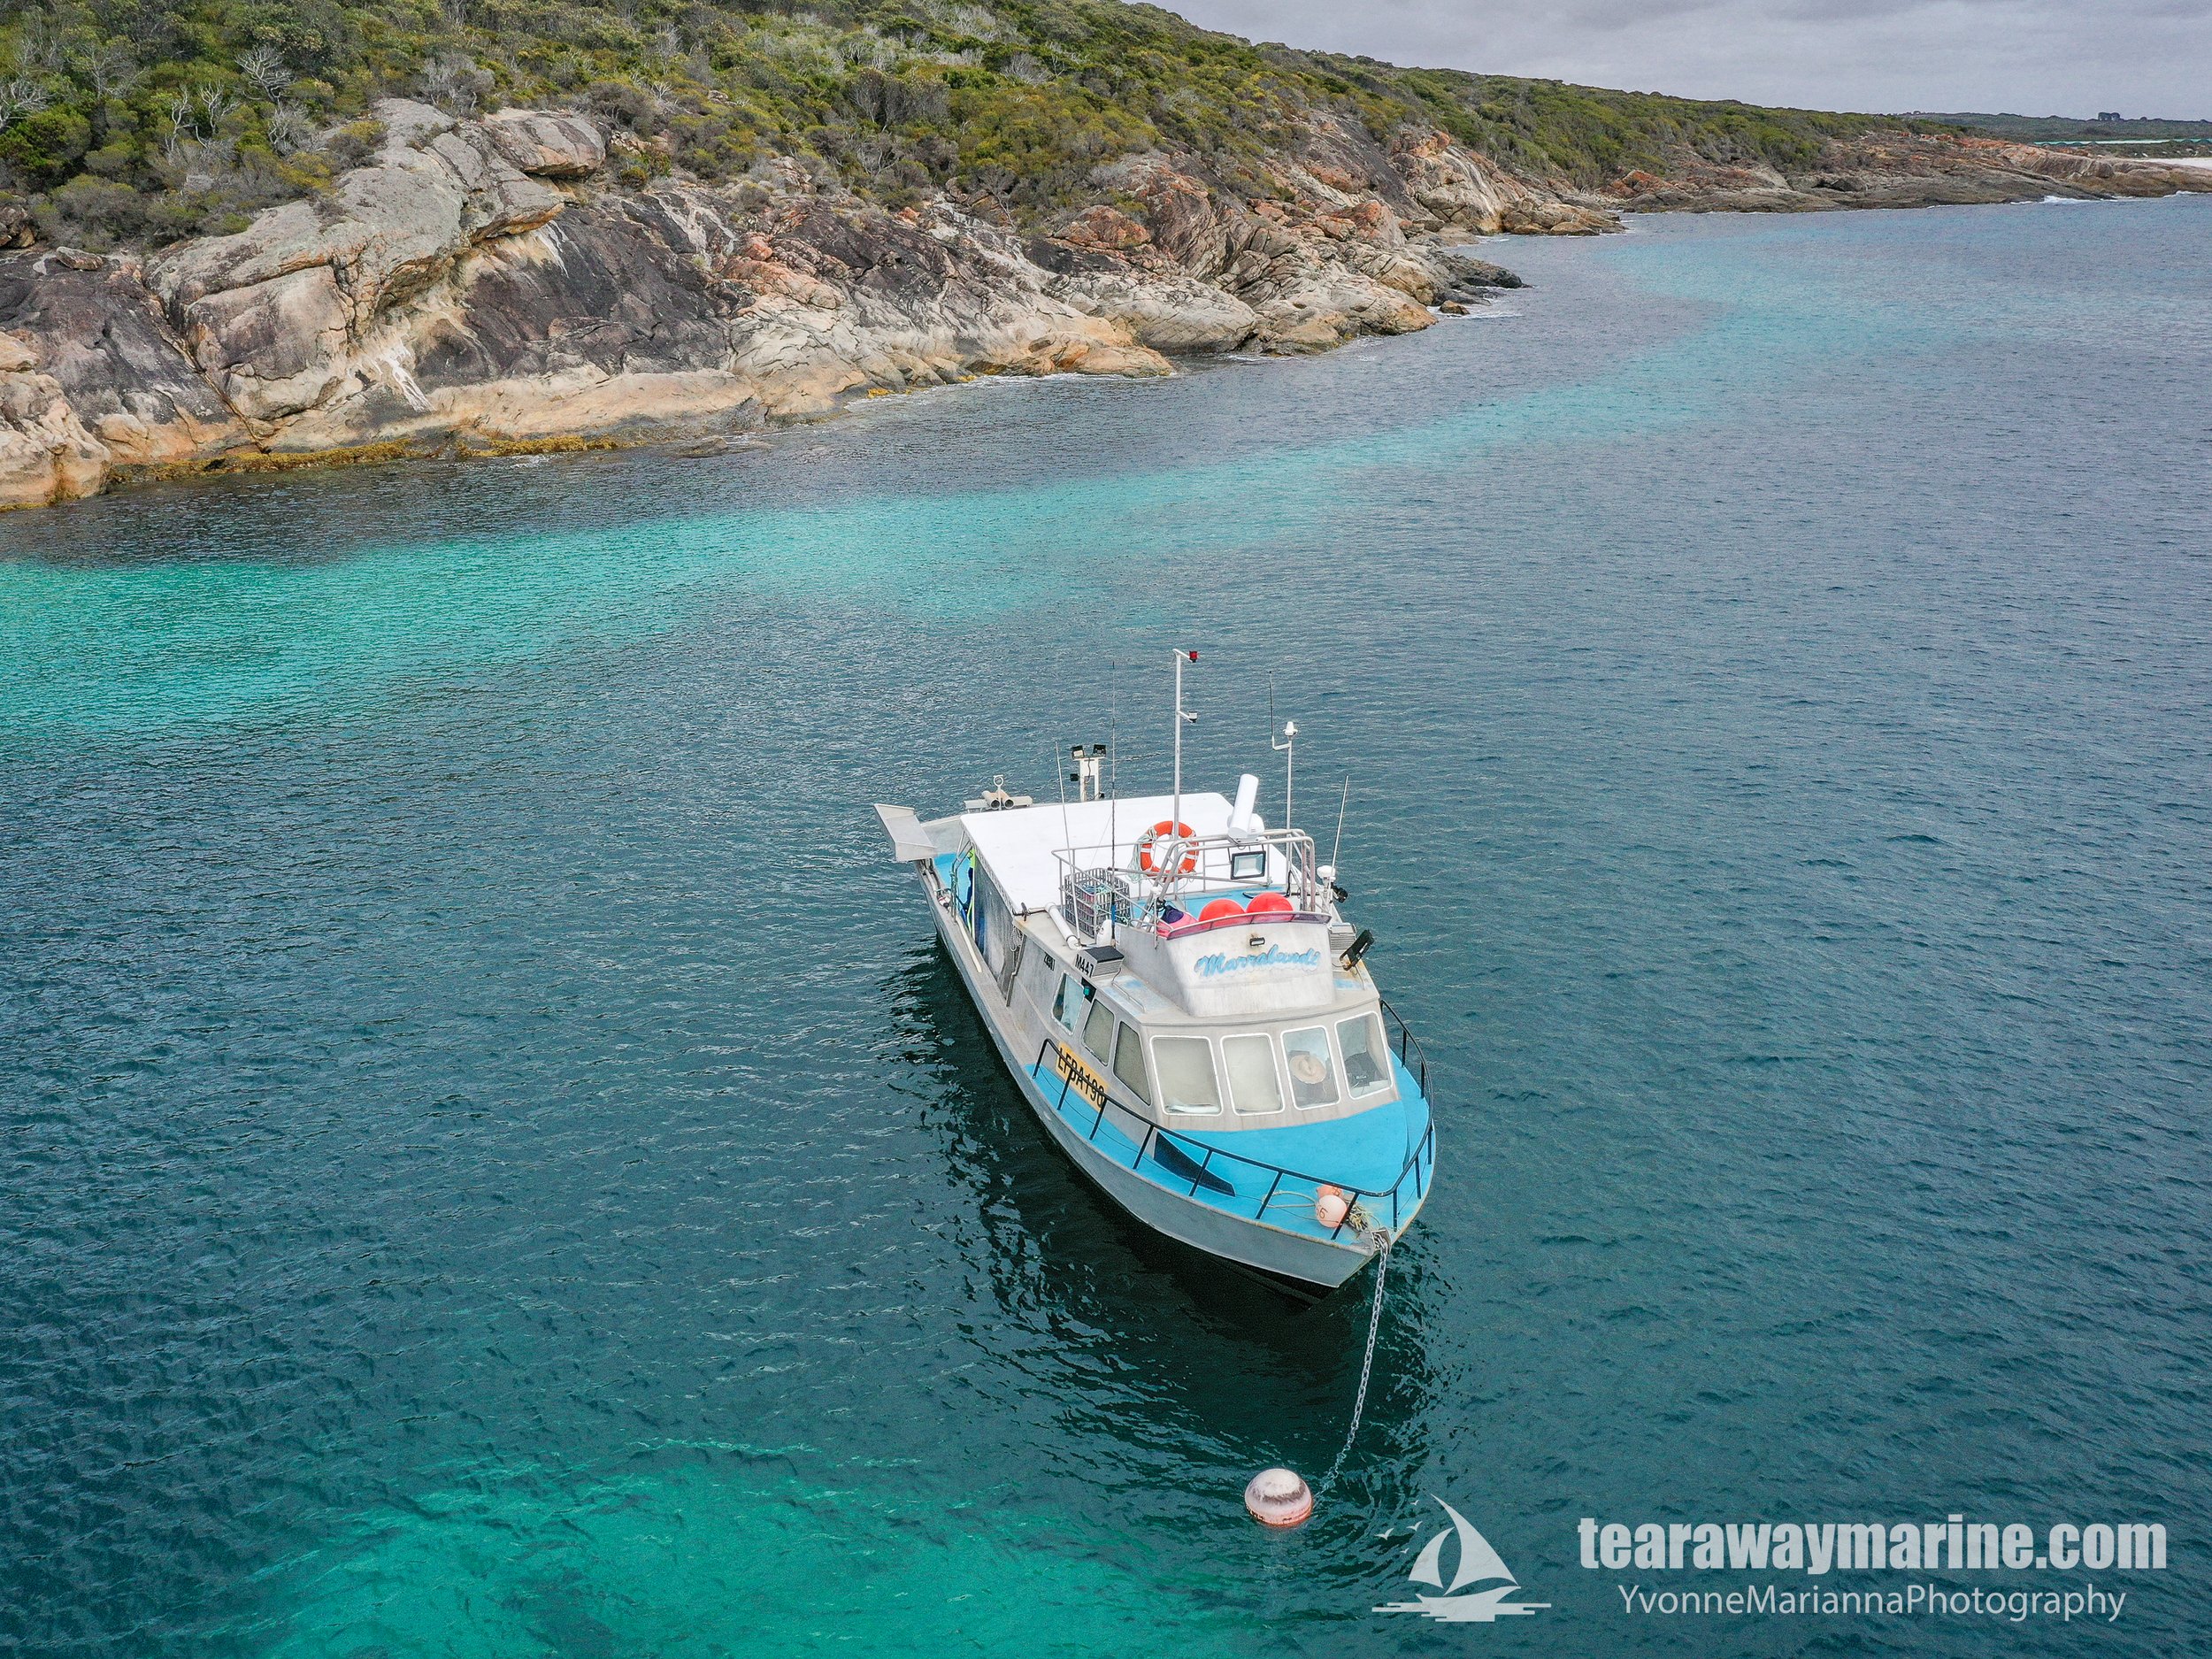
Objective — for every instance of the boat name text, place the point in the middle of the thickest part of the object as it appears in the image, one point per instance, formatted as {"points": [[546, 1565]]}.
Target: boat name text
{"points": [[1221, 963]]}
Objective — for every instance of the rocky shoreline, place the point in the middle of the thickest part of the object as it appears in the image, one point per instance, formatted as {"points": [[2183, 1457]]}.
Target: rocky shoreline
{"points": [[484, 285]]}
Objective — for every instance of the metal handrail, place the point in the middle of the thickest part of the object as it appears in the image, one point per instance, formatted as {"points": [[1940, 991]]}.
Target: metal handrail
{"points": [[1300, 879], [1423, 1153], [1410, 1054]]}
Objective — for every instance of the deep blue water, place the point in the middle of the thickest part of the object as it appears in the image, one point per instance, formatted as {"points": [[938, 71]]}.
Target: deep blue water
{"points": [[496, 1166]]}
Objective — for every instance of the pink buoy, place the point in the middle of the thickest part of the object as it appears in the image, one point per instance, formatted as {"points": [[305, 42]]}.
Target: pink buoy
{"points": [[1329, 1207], [1279, 1497]]}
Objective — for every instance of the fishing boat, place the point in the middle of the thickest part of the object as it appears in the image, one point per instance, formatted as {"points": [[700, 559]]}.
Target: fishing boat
{"points": [[1176, 991]]}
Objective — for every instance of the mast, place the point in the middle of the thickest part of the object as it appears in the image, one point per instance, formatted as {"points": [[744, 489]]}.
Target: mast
{"points": [[1181, 718], [1288, 750], [1176, 813]]}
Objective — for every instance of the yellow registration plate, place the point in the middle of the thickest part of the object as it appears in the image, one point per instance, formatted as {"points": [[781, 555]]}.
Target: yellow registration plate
{"points": [[1080, 1078]]}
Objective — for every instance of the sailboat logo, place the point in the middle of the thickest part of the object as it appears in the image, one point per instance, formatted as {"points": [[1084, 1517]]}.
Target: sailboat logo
{"points": [[1478, 1564]]}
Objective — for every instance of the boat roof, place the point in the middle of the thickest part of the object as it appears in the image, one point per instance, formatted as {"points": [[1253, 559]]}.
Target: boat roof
{"points": [[1019, 843]]}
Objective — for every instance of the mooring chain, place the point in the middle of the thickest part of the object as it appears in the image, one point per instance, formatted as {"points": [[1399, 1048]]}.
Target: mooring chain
{"points": [[1380, 1238]]}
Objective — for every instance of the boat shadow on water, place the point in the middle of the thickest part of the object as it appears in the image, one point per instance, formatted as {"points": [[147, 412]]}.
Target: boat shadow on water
{"points": [[1247, 1358]]}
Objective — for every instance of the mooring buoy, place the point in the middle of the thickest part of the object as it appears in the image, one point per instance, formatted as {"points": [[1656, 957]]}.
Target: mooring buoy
{"points": [[1279, 1497]]}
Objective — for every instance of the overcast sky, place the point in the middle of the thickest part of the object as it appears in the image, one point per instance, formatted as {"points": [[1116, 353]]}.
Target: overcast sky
{"points": [[2021, 57]]}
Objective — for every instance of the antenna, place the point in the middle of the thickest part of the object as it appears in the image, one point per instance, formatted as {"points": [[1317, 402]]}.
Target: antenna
{"points": [[1067, 834], [1337, 845], [1113, 765], [1288, 749], [1182, 718], [1113, 745]]}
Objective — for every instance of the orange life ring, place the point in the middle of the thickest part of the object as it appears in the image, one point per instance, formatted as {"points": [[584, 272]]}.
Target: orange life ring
{"points": [[1168, 827]]}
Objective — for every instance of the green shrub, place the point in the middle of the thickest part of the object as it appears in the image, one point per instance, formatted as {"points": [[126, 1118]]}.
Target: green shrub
{"points": [[352, 144], [620, 103], [44, 148], [113, 160], [1022, 99], [1033, 146], [92, 212]]}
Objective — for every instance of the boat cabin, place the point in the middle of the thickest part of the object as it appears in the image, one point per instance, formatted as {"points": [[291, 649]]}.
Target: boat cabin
{"points": [[1197, 961]]}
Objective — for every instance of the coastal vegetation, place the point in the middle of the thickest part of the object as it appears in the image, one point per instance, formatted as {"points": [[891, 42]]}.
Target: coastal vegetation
{"points": [[2062, 129], [139, 122]]}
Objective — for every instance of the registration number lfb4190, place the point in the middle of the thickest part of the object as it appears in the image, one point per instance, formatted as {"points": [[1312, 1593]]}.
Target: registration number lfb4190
{"points": [[1080, 1077]]}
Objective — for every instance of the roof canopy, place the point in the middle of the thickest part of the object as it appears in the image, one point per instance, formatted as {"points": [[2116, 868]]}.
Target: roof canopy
{"points": [[1017, 844]]}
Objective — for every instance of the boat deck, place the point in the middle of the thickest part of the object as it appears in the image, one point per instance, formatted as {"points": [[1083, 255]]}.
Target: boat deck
{"points": [[1382, 1157]]}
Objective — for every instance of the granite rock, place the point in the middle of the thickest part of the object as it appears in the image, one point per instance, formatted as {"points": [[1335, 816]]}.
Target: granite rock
{"points": [[486, 283]]}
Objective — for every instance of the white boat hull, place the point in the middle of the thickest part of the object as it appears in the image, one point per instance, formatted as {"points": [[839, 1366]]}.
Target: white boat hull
{"points": [[1317, 1264]]}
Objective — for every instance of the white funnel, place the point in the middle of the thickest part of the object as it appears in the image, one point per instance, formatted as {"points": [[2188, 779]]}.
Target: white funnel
{"points": [[1243, 819]]}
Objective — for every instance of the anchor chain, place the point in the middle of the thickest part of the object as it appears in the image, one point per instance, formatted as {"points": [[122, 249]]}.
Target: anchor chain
{"points": [[1381, 1239]]}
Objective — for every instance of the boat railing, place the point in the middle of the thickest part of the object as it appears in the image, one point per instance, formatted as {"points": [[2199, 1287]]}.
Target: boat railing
{"points": [[1407, 1046], [1184, 1159], [1101, 885]]}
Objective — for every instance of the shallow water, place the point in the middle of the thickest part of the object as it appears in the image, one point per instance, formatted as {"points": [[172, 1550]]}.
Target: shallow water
{"points": [[497, 1166]]}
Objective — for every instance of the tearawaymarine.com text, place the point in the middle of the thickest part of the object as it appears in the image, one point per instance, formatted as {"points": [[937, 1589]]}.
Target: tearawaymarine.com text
{"points": [[1951, 1545]]}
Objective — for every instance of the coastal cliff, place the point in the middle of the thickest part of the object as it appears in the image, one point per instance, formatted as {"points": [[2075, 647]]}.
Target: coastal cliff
{"points": [[790, 212], [486, 285]]}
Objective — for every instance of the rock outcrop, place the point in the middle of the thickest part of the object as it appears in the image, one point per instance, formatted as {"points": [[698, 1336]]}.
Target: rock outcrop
{"points": [[94, 330], [1450, 184], [45, 452], [487, 284], [482, 284]]}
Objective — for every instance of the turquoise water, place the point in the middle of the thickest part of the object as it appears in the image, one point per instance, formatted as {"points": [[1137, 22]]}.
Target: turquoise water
{"points": [[497, 1166]]}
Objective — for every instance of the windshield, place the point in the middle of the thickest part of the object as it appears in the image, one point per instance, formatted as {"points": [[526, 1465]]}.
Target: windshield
{"points": [[1312, 1068], [1187, 1074]]}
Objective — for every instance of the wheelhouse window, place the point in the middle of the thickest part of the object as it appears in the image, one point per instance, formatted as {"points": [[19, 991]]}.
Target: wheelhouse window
{"points": [[1254, 1086], [1068, 1003], [1366, 1058], [1312, 1068], [1098, 1029], [1186, 1068], [1129, 1063]]}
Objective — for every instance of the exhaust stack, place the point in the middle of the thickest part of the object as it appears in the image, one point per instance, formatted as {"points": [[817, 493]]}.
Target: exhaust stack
{"points": [[1090, 772]]}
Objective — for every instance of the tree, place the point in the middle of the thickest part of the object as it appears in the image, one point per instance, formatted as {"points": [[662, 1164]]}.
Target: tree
{"points": [[40, 45], [111, 69], [20, 97], [263, 68], [289, 127], [178, 110]]}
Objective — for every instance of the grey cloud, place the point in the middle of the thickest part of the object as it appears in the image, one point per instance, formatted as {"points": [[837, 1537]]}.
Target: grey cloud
{"points": [[2032, 56]]}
